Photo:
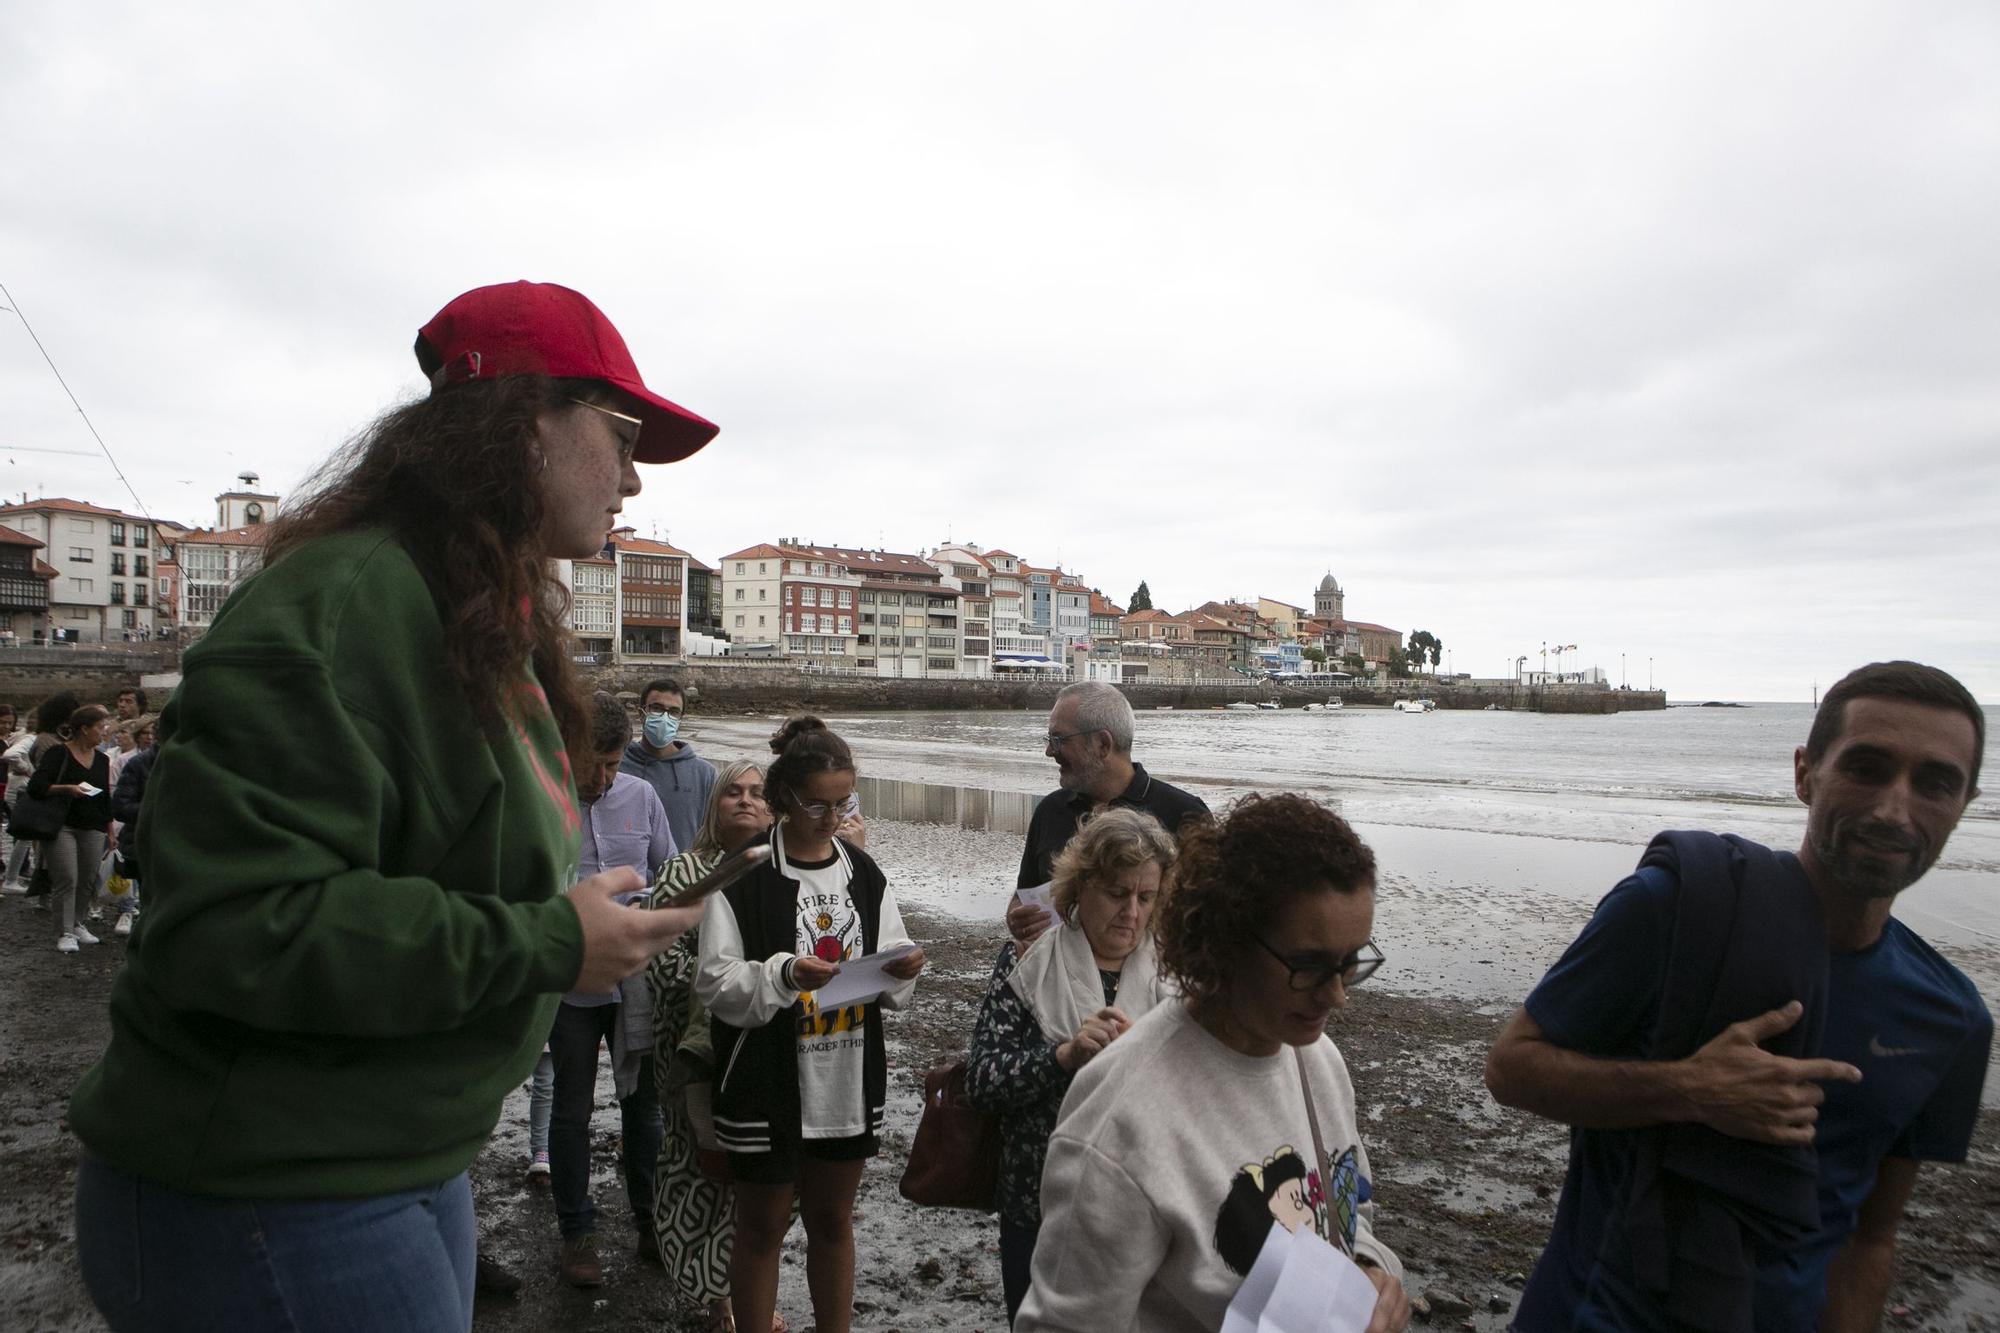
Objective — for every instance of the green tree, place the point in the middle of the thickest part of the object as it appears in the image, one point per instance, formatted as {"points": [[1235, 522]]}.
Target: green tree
{"points": [[1423, 647], [1142, 598], [1355, 664], [1317, 656]]}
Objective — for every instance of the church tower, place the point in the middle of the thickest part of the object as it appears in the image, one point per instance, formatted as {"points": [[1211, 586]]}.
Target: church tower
{"points": [[1329, 603]]}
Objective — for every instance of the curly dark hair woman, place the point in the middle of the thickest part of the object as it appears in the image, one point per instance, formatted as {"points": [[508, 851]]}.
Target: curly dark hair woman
{"points": [[358, 834], [1212, 1118]]}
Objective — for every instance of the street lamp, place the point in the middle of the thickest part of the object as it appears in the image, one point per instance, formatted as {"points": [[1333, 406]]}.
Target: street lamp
{"points": [[1649, 675]]}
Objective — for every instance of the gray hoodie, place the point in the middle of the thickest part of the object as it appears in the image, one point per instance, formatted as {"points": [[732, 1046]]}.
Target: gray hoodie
{"points": [[683, 781]]}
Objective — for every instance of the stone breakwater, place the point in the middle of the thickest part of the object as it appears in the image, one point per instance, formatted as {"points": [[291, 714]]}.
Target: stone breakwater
{"points": [[767, 689]]}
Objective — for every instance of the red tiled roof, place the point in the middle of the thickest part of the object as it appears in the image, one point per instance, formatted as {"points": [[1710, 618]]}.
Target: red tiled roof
{"points": [[1100, 605], [12, 538], [67, 506], [763, 550], [647, 546], [997, 551], [1150, 615], [45, 570]]}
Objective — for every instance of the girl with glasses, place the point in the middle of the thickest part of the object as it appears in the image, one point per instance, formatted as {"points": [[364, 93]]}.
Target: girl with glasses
{"points": [[799, 1093], [1228, 1111]]}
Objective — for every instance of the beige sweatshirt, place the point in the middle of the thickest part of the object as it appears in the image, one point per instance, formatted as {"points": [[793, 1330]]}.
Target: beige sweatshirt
{"points": [[1171, 1158]]}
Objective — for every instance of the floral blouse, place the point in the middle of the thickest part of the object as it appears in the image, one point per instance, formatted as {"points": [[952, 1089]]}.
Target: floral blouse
{"points": [[1012, 1072]]}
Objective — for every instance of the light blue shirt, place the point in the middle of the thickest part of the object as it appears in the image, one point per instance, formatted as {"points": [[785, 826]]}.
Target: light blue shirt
{"points": [[626, 826]]}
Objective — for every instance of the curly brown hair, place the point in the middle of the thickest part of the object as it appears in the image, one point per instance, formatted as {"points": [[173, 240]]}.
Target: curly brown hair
{"points": [[455, 478], [1236, 876]]}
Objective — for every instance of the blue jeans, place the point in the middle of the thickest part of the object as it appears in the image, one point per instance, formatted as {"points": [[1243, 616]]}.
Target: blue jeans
{"points": [[573, 1043], [157, 1260], [541, 1100]]}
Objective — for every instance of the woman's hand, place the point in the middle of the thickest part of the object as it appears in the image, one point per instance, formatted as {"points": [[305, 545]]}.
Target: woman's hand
{"points": [[1392, 1303], [851, 829], [1092, 1036], [66, 788], [617, 940], [1026, 922], [907, 966], [810, 973]]}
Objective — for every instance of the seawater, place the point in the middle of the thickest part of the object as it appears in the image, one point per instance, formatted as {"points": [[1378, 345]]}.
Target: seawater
{"points": [[1538, 803]]}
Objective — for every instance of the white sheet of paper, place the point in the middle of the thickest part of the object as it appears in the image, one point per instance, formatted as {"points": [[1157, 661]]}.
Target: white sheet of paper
{"points": [[89, 788], [1247, 1306], [1039, 897], [860, 979], [1319, 1289]]}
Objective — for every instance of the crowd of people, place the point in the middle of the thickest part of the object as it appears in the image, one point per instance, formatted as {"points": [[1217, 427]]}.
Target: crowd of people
{"points": [[345, 966]]}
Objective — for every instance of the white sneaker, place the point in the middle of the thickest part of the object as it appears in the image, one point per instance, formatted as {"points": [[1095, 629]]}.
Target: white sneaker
{"points": [[67, 944], [124, 927], [83, 936], [15, 888]]}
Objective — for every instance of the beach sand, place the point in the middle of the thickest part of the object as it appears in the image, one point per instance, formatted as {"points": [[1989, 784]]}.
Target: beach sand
{"points": [[1466, 1189]]}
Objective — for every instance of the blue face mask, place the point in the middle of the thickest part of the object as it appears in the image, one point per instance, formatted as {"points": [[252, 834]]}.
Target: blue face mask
{"points": [[660, 729]]}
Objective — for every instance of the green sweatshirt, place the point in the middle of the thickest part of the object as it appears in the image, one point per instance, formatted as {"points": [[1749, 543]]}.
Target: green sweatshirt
{"points": [[355, 930]]}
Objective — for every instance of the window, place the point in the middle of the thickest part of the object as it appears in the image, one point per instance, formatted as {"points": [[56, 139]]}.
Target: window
{"points": [[761, 569], [118, 594], [84, 586], [912, 640], [139, 535], [138, 594], [845, 598], [131, 620], [117, 534], [81, 554], [739, 594], [763, 594], [819, 568], [809, 597], [739, 566], [739, 622], [117, 562], [847, 624], [867, 599], [760, 622], [836, 645], [943, 664], [139, 565]]}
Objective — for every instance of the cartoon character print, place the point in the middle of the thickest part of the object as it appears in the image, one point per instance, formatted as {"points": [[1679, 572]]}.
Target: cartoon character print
{"points": [[830, 930], [1281, 1188]]}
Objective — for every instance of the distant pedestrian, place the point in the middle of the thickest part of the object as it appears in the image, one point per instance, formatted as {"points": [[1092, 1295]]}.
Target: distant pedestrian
{"points": [[23, 753], [1090, 738], [356, 838], [623, 825], [694, 1206], [801, 1104], [80, 773], [680, 777], [129, 773]]}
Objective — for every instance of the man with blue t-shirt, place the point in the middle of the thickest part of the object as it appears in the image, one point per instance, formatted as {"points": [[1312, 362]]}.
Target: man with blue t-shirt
{"points": [[1753, 1055]]}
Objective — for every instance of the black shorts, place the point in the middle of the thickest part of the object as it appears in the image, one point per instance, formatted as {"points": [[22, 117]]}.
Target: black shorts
{"points": [[780, 1166]]}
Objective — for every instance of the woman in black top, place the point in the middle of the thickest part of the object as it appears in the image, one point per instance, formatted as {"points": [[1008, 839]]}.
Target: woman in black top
{"points": [[78, 770]]}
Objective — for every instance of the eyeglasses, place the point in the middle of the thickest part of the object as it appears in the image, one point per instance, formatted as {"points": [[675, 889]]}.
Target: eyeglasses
{"points": [[821, 809], [1352, 970], [1053, 739], [665, 710], [628, 441]]}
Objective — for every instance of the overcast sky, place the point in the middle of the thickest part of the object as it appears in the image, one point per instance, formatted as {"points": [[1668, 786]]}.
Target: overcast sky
{"points": [[1668, 331]]}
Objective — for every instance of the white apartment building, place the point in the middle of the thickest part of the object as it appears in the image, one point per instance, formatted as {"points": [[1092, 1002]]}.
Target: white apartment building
{"points": [[750, 582], [103, 558], [593, 604], [964, 567]]}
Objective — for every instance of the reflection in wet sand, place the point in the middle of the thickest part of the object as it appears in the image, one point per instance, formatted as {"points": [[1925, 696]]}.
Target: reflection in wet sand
{"points": [[930, 803]]}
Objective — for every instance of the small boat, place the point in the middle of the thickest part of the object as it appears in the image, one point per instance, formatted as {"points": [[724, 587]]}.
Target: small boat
{"points": [[1270, 705], [1416, 706], [1241, 706], [1332, 705]]}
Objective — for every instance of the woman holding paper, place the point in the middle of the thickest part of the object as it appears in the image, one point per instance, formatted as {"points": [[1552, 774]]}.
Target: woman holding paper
{"points": [[1217, 1137], [81, 773], [798, 1101], [1069, 995]]}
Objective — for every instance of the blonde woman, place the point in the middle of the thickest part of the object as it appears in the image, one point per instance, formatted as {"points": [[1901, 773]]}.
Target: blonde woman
{"points": [[693, 1211], [1067, 997]]}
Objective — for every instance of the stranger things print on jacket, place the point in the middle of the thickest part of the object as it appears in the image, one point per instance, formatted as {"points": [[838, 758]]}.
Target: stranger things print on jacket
{"points": [[798, 1056]]}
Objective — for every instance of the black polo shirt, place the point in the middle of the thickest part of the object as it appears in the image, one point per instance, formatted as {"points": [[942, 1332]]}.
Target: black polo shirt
{"points": [[1057, 814]]}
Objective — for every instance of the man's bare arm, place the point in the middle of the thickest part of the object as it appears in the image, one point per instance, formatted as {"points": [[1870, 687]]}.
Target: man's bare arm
{"points": [[1858, 1283], [1731, 1084]]}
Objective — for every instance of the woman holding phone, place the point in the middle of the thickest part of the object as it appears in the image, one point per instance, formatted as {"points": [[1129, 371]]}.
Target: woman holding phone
{"points": [[693, 1210], [799, 1096], [350, 962], [78, 770]]}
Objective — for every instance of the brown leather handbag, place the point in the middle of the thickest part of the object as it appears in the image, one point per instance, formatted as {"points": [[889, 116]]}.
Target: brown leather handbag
{"points": [[955, 1161]]}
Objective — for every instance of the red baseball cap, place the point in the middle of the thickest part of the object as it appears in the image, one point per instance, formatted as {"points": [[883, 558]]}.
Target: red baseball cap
{"points": [[538, 328]]}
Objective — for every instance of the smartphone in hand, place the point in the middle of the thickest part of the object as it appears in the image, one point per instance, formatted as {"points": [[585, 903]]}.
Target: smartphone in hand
{"points": [[733, 867]]}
